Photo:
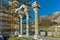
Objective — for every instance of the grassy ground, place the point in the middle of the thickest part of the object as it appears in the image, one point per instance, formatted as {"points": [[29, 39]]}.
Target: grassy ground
{"points": [[19, 38], [54, 36]]}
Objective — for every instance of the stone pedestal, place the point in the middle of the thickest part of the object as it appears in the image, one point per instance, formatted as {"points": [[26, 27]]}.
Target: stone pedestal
{"points": [[19, 35], [35, 36]]}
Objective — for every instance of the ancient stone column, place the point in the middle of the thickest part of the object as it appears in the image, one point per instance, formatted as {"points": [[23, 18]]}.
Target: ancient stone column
{"points": [[21, 24], [36, 7], [20, 13], [27, 10]]}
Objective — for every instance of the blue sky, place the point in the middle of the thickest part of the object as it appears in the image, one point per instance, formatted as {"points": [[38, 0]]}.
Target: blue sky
{"points": [[47, 7]]}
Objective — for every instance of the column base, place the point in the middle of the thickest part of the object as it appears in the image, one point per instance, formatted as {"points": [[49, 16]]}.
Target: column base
{"points": [[16, 33], [35, 36], [19, 35], [27, 35], [40, 39]]}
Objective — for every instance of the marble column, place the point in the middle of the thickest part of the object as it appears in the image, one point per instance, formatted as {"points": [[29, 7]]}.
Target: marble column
{"points": [[27, 10], [20, 11], [36, 7], [27, 24], [20, 26]]}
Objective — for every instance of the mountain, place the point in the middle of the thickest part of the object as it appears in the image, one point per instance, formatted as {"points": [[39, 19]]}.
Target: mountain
{"points": [[47, 21], [55, 17]]}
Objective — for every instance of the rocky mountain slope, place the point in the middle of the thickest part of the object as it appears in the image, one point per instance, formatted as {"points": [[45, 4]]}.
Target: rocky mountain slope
{"points": [[47, 21], [55, 17]]}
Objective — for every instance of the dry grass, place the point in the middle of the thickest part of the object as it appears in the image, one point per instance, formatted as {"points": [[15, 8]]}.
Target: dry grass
{"points": [[19, 38]]}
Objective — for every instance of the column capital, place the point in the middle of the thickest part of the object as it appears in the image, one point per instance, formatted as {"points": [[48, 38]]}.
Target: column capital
{"points": [[35, 5], [20, 16], [27, 10]]}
